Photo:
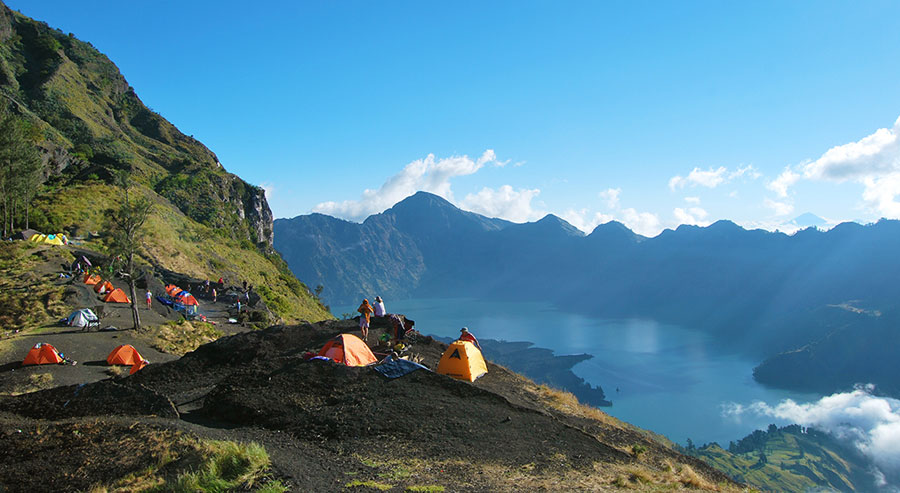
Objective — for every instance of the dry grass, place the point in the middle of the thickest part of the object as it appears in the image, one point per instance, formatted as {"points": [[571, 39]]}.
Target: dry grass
{"points": [[181, 337], [182, 463], [567, 403], [116, 371], [36, 381], [28, 296]]}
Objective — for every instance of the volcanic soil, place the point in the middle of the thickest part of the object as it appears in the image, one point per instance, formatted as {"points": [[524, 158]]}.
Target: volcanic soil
{"points": [[328, 427]]}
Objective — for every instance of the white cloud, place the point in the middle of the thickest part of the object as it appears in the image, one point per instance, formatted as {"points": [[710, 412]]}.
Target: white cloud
{"points": [[642, 223], [429, 175], [749, 171], [870, 423], [785, 180], [504, 203], [779, 208], [611, 196], [269, 189], [692, 200], [873, 161], [710, 178], [693, 216], [584, 220]]}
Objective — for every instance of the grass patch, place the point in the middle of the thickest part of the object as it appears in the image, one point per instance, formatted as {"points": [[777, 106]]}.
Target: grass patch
{"points": [[188, 465], [115, 371], [182, 337], [368, 484], [425, 489], [35, 382], [228, 465], [29, 297]]}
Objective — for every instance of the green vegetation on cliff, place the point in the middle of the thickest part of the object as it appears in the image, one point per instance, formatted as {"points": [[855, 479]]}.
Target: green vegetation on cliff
{"points": [[89, 125], [790, 459]]}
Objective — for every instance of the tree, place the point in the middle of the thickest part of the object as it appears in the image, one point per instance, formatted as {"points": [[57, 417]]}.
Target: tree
{"points": [[20, 169], [127, 234]]}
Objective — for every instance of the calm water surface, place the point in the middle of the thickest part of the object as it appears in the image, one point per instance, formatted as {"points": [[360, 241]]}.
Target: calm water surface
{"points": [[670, 379]]}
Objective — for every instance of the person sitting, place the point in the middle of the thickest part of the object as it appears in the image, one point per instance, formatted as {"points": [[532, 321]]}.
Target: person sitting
{"points": [[379, 307], [465, 335]]}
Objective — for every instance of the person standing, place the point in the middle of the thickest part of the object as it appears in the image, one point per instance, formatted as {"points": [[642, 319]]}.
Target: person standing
{"points": [[149, 299], [379, 307], [214, 295], [366, 311], [465, 335]]}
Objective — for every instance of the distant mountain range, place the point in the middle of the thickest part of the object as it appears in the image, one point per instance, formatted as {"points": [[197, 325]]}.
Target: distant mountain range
{"points": [[758, 292]]}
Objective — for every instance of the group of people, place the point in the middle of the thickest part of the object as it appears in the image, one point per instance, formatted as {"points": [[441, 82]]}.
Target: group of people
{"points": [[367, 311]]}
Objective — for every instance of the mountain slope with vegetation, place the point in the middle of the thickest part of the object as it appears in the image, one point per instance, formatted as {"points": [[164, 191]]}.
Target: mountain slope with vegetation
{"points": [[90, 127], [791, 459]]}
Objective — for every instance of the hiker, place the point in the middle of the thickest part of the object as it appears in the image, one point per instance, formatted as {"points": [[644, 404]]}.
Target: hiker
{"points": [[365, 310], [379, 307], [214, 295], [398, 328], [465, 335], [149, 299]]}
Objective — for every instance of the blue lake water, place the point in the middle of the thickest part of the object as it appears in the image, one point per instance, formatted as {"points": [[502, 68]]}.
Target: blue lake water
{"points": [[671, 380]]}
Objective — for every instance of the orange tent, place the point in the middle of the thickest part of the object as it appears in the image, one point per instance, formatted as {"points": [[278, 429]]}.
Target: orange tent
{"points": [[42, 354], [349, 350], [103, 287], [125, 354], [91, 278], [172, 290], [462, 361], [117, 296], [138, 366], [186, 299]]}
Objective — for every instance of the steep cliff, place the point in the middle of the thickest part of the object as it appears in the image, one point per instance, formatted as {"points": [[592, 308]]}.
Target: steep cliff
{"points": [[89, 122]]}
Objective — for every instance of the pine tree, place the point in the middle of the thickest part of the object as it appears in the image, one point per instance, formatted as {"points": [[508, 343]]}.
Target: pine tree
{"points": [[20, 169]]}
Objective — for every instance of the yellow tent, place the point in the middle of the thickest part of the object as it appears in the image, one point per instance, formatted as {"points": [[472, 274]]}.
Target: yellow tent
{"points": [[462, 361], [57, 239]]}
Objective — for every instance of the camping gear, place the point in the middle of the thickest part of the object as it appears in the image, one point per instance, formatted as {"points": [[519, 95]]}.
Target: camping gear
{"points": [[138, 366], [172, 290], [117, 296], [462, 361], [349, 350], [26, 234], [42, 354], [103, 287], [185, 302], [125, 354], [84, 318], [396, 368], [92, 278]]}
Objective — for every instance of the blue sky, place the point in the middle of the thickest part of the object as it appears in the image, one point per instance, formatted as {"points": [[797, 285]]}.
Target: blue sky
{"points": [[651, 113]]}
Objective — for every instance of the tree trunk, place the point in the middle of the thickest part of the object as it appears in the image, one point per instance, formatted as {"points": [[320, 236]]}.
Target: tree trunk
{"points": [[134, 307]]}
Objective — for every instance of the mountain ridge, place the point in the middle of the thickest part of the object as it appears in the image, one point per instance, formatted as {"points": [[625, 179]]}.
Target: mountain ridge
{"points": [[757, 292]]}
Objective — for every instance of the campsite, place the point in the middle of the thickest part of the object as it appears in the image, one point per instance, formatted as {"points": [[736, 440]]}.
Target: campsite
{"points": [[309, 394]]}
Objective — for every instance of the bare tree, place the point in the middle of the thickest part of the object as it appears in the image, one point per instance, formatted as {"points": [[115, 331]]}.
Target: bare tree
{"points": [[126, 233]]}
